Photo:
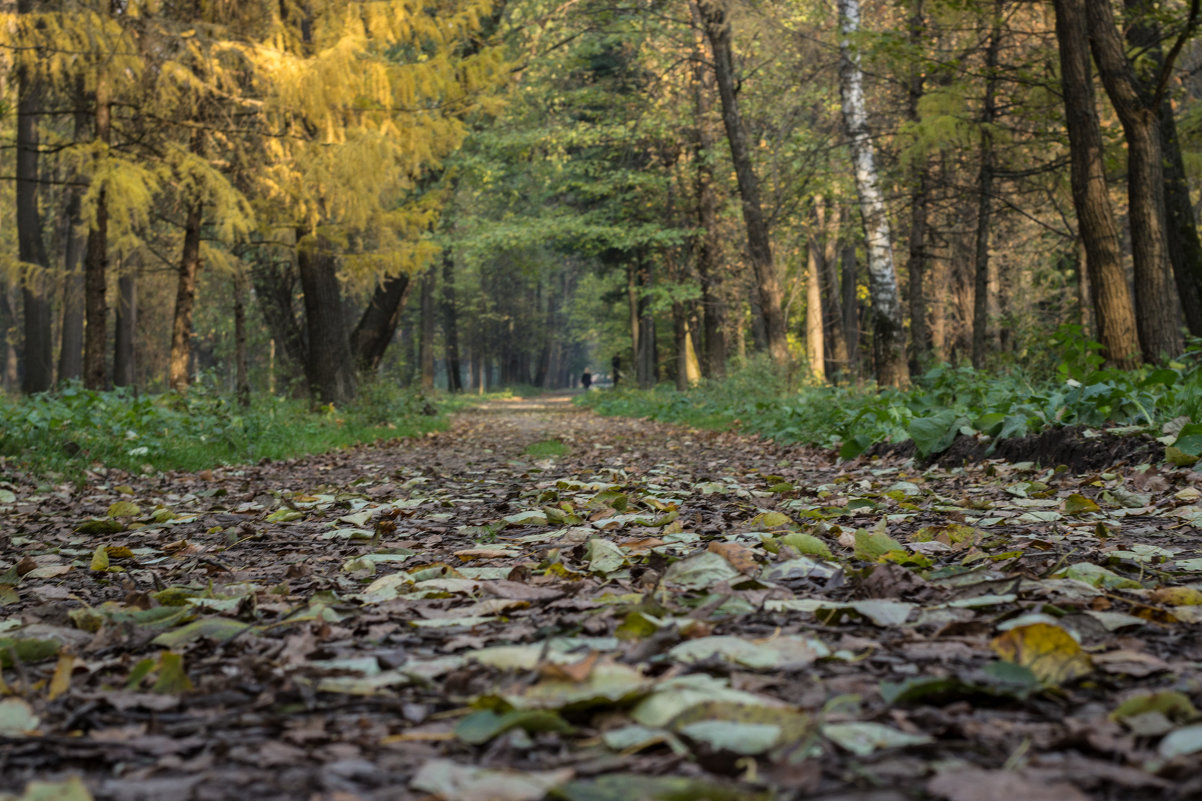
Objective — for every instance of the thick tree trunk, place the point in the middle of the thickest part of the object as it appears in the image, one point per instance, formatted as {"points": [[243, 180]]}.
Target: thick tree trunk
{"points": [[96, 259], [834, 337], [1113, 307], [329, 369], [185, 300], [377, 325], [450, 322], [888, 336], [985, 175], [916, 262], [125, 339], [426, 340], [1156, 309], [1185, 249], [39, 343], [241, 373], [709, 242], [759, 247]]}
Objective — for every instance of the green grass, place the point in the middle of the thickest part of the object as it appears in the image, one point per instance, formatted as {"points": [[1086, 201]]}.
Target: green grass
{"points": [[546, 447], [942, 403], [60, 434]]}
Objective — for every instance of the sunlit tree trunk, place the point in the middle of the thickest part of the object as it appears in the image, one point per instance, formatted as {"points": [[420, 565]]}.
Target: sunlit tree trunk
{"points": [[759, 247], [1155, 305], [815, 339], [888, 336], [185, 301], [985, 176], [1113, 307], [39, 346]]}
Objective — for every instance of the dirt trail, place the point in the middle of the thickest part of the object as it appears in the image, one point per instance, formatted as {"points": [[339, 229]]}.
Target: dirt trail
{"points": [[542, 602]]}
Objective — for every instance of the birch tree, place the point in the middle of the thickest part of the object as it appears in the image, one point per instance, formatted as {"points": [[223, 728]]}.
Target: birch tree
{"points": [[888, 336]]}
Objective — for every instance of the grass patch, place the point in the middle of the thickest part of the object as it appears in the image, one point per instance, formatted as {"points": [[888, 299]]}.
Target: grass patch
{"points": [[545, 448], [60, 434], [941, 404]]}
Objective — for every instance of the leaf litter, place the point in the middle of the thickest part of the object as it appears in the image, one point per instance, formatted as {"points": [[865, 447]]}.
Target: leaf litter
{"points": [[648, 612]]}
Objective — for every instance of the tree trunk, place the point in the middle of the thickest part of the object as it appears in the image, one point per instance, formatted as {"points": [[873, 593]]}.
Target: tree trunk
{"points": [[10, 367], [426, 341], [688, 369], [717, 29], [377, 325], [849, 268], [241, 373], [815, 339], [1156, 310], [328, 367], [185, 299], [888, 336], [274, 287], [646, 366], [1185, 249], [39, 343], [450, 322], [985, 171], [709, 242], [70, 356], [1113, 307], [96, 259], [919, 180], [125, 342], [833, 335], [633, 303]]}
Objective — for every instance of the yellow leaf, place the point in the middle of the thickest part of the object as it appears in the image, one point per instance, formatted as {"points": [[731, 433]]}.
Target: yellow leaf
{"points": [[1177, 596], [100, 559], [1048, 651], [60, 682], [1077, 504]]}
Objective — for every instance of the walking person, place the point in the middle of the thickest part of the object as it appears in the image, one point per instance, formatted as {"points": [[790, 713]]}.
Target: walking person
{"points": [[586, 380]]}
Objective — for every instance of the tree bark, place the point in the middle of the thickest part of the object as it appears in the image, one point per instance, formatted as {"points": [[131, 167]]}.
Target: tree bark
{"points": [[185, 300], [1156, 310], [985, 175], [70, 355], [450, 321], [125, 339], [759, 246], [834, 337], [1185, 249], [646, 363], [888, 336], [708, 242], [39, 346], [328, 367], [1112, 302], [426, 341], [815, 339], [377, 325], [916, 262], [96, 259], [241, 373], [849, 268]]}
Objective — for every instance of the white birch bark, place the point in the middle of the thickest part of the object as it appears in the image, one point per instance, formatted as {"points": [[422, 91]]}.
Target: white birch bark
{"points": [[887, 333]]}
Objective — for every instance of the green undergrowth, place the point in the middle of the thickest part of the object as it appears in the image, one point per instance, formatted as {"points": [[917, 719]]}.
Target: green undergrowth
{"points": [[942, 403], [64, 432]]}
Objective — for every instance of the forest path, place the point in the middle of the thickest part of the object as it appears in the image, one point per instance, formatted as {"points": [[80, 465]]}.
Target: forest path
{"points": [[641, 612]]}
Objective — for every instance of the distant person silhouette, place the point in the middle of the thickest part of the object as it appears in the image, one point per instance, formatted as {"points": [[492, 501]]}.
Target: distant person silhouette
{"points": [[617, 365], [586, 380]]}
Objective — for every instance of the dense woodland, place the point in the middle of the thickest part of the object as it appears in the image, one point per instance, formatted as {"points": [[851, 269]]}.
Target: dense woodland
{"points": [[295, 197]]}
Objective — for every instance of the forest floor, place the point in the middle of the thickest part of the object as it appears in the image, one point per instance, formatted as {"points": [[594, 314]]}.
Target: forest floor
{"points": [[545, 603]]}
